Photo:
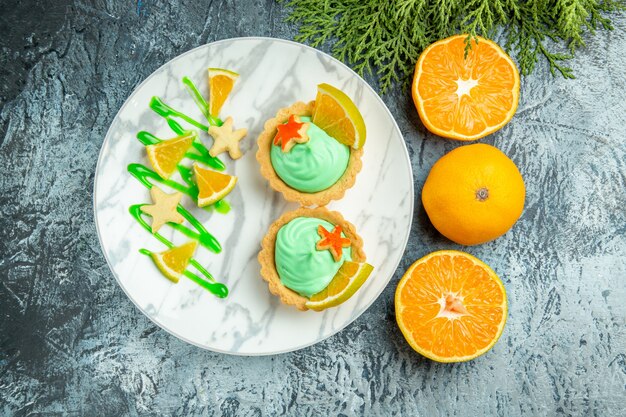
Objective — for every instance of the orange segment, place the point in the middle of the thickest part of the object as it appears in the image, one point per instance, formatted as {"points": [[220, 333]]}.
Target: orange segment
{"points": [[465, 98], [348, 279], [165, 156], [450, 306], [212, 186], [338, 116], [221, 83], [173, 262]]}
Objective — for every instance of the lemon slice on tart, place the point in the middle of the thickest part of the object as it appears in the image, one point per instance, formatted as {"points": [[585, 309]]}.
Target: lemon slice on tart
{"points": [[338, 116], [348, 279]]}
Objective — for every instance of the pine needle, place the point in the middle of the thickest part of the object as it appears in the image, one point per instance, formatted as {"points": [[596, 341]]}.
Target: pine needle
{"points": [[385, 37]]}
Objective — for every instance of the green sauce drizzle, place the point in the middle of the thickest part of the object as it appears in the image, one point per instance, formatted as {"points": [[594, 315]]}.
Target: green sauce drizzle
{"points": [[200, 102], [200, 153], [222, 206], [145, 174], [216, 288], [205, 238], [147, 138], [162, 109]]}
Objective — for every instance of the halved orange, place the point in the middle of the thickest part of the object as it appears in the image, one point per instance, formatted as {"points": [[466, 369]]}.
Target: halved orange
{"points": [[173, 262], [348, 279], [212, 186], [465, 98], [450, 306], [165, 156], [221, 83], [337, 115]]}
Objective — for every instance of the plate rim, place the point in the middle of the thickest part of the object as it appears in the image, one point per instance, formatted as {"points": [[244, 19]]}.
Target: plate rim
{"points": [[155, 320]]}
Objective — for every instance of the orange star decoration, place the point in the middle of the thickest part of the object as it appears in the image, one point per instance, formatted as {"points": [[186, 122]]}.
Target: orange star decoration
{"points": [[290, 133], [333, 241]]}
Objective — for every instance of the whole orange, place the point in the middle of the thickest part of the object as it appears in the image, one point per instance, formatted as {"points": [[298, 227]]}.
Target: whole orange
{"points": [[474, 194]]}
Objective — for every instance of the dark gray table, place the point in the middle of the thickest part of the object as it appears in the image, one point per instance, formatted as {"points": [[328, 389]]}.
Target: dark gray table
{"points": [[71, 343]]}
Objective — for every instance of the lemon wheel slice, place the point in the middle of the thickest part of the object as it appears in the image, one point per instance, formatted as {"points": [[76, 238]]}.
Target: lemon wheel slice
{"points": [[348, 279], [221, 83], [338, 116], [173, 262], [212, 186], [165, 156]]}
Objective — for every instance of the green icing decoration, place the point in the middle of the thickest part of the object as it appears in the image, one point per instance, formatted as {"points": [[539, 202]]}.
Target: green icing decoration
{"points": [[148, 177], [300, 266], [216, 288], [312, 166]]}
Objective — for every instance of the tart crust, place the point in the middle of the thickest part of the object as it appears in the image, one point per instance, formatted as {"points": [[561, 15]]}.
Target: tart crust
{"points": [[321, 198], [266, 256]]}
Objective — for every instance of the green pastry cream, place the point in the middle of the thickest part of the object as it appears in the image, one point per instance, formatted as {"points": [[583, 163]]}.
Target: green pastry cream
{"points": [[300, 266], [312, 166]]}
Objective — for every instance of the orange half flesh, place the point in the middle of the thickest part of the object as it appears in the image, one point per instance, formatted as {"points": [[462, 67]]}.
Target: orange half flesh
{"points": [[465, 98], [450, 306]]}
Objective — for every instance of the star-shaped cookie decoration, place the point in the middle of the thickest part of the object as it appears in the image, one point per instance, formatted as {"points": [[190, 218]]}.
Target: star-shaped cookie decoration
{"points": [[333, 241], [290, 133], [226, 139], [164, 208]]}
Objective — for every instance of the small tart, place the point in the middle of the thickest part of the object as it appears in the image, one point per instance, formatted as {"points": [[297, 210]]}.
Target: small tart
{"points": [[266, 256], [320, 198]]}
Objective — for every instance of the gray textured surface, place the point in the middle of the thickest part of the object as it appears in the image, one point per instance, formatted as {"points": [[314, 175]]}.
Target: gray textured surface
{"points": [[72, 343]]}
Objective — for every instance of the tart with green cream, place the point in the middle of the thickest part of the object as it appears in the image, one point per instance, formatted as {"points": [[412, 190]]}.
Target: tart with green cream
{"points": [[311, 152], [313, 259]]}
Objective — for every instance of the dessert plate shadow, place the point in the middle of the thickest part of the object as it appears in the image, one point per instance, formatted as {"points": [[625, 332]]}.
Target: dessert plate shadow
{"points": [[250, 321]]}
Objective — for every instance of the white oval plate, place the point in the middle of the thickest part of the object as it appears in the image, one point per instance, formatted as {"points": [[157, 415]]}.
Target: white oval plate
{"points": [[250, 321]]}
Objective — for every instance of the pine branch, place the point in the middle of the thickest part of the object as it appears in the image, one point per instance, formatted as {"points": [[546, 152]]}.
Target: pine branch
{"points": [[386, 37]]}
